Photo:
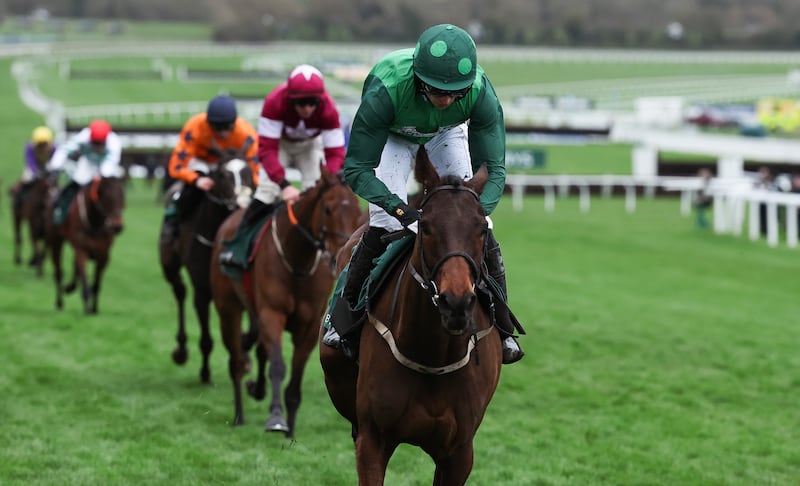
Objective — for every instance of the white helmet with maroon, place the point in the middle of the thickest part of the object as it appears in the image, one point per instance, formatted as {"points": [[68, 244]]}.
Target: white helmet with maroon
{"points": [[305, 81]]}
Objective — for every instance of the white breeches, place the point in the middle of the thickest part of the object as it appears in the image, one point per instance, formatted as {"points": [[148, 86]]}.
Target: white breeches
{"points": [[448, 152], [305, 156]]}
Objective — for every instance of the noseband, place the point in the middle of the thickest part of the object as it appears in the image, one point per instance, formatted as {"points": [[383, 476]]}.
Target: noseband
{"points": [[425, 280]]}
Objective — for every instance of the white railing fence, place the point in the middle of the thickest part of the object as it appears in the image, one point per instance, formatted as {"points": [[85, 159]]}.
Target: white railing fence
{"points": [[732, 196]]}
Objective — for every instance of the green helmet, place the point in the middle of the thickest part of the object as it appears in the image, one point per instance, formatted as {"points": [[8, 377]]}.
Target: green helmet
{"points": [[445, 58]]}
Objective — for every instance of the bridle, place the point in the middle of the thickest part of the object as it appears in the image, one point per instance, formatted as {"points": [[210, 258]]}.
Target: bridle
{"points": [[426, 282], [229, 202], [425, 278], [94, 203], [318, 241]]}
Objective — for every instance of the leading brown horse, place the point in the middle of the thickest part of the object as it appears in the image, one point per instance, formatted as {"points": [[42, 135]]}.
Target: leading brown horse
{"points": [[285, 290], [233, 184], [93, 221], [429, 359]]}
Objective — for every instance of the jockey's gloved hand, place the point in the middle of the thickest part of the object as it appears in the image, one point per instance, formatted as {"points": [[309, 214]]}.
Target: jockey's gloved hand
{"points": [[74, 156], [407, 215]]}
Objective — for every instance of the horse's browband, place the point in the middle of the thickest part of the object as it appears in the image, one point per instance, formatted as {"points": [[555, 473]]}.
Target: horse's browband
{"points": [[447, 187]]}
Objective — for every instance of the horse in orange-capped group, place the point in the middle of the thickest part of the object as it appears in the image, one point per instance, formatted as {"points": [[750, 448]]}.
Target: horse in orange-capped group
{"points": [[191, 249]]}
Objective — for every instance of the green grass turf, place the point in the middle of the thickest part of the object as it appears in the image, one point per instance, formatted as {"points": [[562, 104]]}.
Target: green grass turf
{"points": [[657, 354]]}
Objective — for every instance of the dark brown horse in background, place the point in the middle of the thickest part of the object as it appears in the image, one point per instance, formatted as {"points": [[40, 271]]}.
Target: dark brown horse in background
{"points": [[93, 221], [32, 209], [429, 358], [233, 184], [286, 290]]}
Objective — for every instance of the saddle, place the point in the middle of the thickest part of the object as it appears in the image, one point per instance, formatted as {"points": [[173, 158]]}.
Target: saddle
{"points": [[248, 241], [490, 294]]}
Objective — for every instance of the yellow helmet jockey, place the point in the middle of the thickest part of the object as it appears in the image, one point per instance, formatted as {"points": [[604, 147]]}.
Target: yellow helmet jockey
{"points": [[42, 135]]}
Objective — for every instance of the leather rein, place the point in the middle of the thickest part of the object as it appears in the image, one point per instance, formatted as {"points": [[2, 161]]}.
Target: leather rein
{"points": [[317, 241]]}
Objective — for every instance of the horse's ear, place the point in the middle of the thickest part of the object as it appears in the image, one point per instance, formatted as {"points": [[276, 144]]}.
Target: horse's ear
{"points": [[478, 180], [325, 174], [424, 172]]}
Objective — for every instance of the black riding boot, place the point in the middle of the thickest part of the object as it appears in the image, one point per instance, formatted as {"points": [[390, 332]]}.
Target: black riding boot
{"points": [[512, 352], [64, 201], [235, 255], [346, 321]]}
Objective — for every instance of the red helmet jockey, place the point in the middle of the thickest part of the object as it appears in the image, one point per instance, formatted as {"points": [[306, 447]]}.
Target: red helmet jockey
{"points": [[98, 131], [305, 82]]}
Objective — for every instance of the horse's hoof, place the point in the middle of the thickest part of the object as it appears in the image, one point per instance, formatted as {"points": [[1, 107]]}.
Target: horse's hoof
{"points": [[59, 305], [205, 376], [276, 423], [70, 288], [255, 391], [17, 261], [180, 356], [237, 421]]}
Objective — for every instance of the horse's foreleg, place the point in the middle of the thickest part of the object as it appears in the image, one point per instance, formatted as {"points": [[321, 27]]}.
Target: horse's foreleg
{"points": [[171, 268], [454, 469], [251, 336], [32, 240], [277, 372], [56, 248], [372, 456], [40, 254], [271, 335], [80, 274], [94, 295], [258, 388], [73, 283], [293, 395], [17, 240], [231, 331], [202, 300]]}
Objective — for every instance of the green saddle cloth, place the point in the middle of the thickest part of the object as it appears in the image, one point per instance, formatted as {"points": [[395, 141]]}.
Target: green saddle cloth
{"points": [[242, 245], [383, 264]]}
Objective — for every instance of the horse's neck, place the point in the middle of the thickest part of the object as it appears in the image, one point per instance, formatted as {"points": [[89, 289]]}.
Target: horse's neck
{"points": [[296, 243], [415, 323], [209, 217]]}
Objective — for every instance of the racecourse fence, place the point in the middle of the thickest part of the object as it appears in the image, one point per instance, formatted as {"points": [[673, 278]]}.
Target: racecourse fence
{"points": [[731, 197]]}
